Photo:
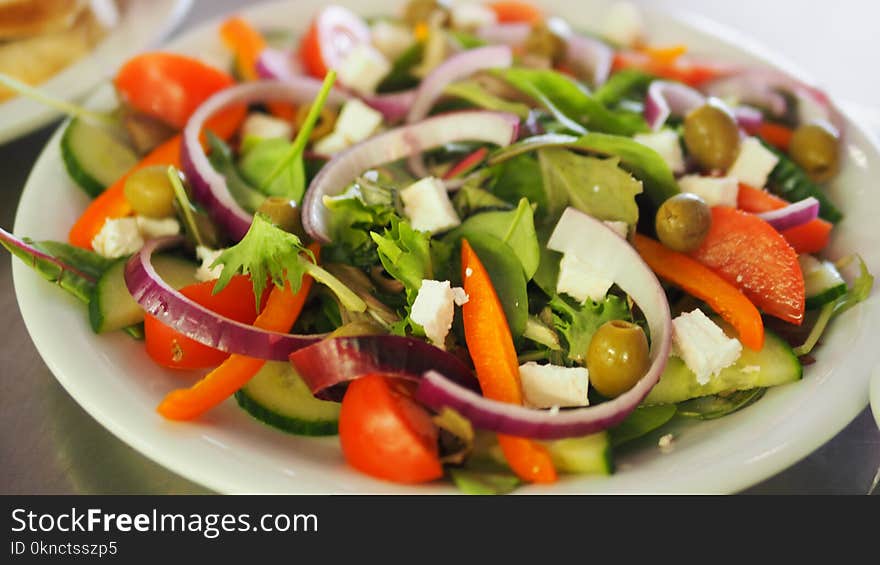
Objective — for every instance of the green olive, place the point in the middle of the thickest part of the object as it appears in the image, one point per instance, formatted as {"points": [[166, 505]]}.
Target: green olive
{"points": [[617, 357], [815, 146], [421, 11], [149, 192], [683, 221], [284, 214], [712, 136], [544, 42]]}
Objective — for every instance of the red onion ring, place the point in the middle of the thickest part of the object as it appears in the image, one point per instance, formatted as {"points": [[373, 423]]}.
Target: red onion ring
{"points": [[666, 98], [492, 127], [510, 34], [274, 64], [197, 322], [591, 57], [595, 243], [209, 186], [393, 106], [455, 68], [793, 215]]}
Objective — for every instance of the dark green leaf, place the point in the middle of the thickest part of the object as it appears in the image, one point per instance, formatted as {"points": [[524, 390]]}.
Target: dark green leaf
{"points": [[640, 422], [261, 159], [520, 177], [221, 159]]}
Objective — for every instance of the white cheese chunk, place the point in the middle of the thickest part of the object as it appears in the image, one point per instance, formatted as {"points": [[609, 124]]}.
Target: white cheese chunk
{"points": [[702, 345], [264, 126], [753, 164], [390, 38], [434, 308], [471, 15], [152, 228], [363, 68], [716, 191], [356, 122], [623, 24], [548, 386], [207, 256], [580, 280], [118, 237], [665, 143], [426, 203], [620, 228]]}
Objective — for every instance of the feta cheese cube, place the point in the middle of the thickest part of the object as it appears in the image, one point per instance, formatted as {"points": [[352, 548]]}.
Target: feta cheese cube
{"points": [[623, 24], [363, 68], [580, 280], [118, 237], [471, 15], [207, 256], [753, 164], [264, 126], [716, 191], [428, 207], [356, 122], [434, 308], [620, 228], [549, 386], [390, 38], [665, 142], [702, 345], [152, 228]]}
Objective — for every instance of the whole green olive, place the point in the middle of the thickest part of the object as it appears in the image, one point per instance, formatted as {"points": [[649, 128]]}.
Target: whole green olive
{"points": [[284, 214], [149, 192], [683, 221], [617, 357], [815, 146], [421, 11], [544, 42], [712, 136]]}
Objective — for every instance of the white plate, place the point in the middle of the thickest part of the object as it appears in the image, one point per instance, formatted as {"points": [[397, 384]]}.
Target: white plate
{"points": [[142, 23], [113, 379]]}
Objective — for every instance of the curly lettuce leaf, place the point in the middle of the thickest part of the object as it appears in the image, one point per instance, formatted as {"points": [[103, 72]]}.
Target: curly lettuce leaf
{"points": [[351, 220], [406, 255], [576, 324]]}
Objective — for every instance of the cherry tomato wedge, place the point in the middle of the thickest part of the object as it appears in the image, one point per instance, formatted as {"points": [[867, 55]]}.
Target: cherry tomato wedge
{"points": [[516, 11], [334, 32], [386, 434], [171, 349], [168, 86]]}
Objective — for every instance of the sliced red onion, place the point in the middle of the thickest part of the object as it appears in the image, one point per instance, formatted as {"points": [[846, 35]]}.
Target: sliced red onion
{"points": [[793, 215], [393, 106], [275, 64], [455, 68], [589, 57], [499, 128], [748, 118], [327, 366], [747, 88], [666, 98], [195, 321], [510, 34], [209, 186], [596, 244]]}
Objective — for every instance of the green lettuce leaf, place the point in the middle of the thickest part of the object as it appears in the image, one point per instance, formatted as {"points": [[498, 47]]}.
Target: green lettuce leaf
{"points": [[628, 83], [351, 220], [598, 187], [222, 160], [473, 92], [406, 255], [520, 177], [576, 323], [259, 161], [471, 199]]}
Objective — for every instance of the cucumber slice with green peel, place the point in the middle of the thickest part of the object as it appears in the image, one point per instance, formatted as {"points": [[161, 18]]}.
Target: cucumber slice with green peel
{"points": [[93, 157], [641, 421], [712, 407], [822, 281], [775, 364], [278, 396], [112, 307], [582, 455]]}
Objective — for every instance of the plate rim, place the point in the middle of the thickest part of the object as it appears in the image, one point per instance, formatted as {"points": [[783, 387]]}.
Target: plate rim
{"points": [[794, 451]]}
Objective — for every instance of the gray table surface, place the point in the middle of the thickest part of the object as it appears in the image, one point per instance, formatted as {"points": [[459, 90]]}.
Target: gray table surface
{"points": [[49, 445]]}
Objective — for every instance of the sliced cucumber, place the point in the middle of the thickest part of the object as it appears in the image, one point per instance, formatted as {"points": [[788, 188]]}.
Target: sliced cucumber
{"points": [[716, 406], [822, 281], [776, 364], [641, 421], [93, 157], [112, 307], [278, 396], [583, 455]]}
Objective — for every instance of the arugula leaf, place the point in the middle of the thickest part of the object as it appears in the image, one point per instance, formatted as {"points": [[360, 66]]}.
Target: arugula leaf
{"points": [[576, 324], [471, 91], [598, 187], [471, 199], [222, 161], [520, 177], [259, 161], [406, 255], [516, 228], [570, 102]]}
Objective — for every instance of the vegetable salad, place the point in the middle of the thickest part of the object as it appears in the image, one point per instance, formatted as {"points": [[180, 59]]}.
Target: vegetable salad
{"points": [[477, 243]]}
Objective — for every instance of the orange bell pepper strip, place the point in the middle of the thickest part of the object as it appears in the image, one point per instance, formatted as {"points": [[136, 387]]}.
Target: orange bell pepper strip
{"points": [[515, 11], [491, 348], [811, 237], [669, 65], [112, 203], [281, 311], [776, 135], [701, 282], [246, 42]]}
